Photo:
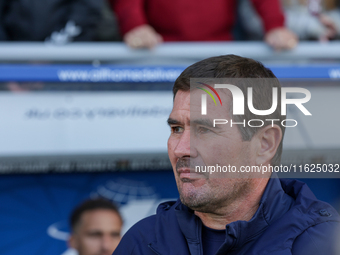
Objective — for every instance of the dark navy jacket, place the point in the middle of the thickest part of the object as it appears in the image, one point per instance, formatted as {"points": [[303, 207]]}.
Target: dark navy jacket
{"points": [[289, 220]]}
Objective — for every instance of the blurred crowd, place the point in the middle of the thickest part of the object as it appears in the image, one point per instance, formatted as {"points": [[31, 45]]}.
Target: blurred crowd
{"points": [[147, 23]]}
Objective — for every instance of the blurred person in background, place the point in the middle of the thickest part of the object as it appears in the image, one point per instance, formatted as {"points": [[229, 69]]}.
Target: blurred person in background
{"points": [[107, 29], [57, 21], [96, 227], [146, 23], [308, 19]]}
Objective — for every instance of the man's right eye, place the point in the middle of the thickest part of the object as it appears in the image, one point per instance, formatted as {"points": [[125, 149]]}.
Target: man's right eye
{"points": [[176, 129], [94, 234]]}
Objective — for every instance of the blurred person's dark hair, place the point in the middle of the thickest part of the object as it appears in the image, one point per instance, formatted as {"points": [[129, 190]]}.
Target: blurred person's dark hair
{"points": [[55, 21], [90, 205]]}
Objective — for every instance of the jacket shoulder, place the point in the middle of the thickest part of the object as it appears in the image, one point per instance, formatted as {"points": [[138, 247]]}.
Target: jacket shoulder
{"points": [[319, 239], [310, 226], [139, 237]]}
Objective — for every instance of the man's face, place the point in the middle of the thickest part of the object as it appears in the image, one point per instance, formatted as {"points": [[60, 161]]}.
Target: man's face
{"points": [[98, 232], [193, 139]]}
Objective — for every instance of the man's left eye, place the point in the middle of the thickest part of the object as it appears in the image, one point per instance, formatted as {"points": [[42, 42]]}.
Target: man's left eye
{"points": [[202, 130]]}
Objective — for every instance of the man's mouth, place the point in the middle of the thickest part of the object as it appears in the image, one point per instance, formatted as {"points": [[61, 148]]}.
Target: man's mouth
{"points": [[187, 174], [186, 171]]}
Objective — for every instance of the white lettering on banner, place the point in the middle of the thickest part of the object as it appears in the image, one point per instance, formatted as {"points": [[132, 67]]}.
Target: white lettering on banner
{"points": [[334, 73], [90, 114], [120, 75], [50, 123]]}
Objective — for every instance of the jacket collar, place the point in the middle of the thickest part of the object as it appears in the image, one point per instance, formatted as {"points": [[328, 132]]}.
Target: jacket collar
{"points": [[273, 204]]}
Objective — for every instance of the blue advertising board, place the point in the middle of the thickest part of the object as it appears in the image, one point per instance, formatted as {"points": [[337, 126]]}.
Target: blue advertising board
{"points": [[34, 209], [114, 73]]}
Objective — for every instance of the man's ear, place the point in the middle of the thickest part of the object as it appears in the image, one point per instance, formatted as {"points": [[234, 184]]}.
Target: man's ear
{"points": [[72, 242], [269, 139]]}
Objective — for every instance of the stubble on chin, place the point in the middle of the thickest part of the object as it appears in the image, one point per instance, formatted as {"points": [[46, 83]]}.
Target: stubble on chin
{"points": [[205, 194], [205, 200]]}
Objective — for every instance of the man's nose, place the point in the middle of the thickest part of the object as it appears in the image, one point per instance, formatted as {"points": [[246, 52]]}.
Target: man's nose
{"points": [[107, 244], [184, 148]]}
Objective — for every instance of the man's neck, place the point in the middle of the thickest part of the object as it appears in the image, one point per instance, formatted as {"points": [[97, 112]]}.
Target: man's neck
{"points": [[243, 208]]}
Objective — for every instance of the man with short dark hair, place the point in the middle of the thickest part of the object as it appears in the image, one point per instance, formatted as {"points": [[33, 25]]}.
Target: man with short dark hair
{"points": [[232, 212], [96, 227]]}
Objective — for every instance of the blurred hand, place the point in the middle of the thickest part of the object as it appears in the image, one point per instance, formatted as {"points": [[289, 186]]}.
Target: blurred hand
{"points": [[330, 28], [281, 39], [143, 36]]}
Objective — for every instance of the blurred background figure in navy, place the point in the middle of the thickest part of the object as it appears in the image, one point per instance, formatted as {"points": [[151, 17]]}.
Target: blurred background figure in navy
{"points": [[96, 227], [58, 21], [144, 24], [308, 19]]}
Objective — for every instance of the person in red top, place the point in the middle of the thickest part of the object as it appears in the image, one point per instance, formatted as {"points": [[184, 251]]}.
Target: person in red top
{"points": [[146, 23]]}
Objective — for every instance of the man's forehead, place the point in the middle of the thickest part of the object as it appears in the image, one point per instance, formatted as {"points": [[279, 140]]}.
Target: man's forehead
{"points": [[194, 94], [98, 215], [188, 105], [182, 99], [181, 107]]}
